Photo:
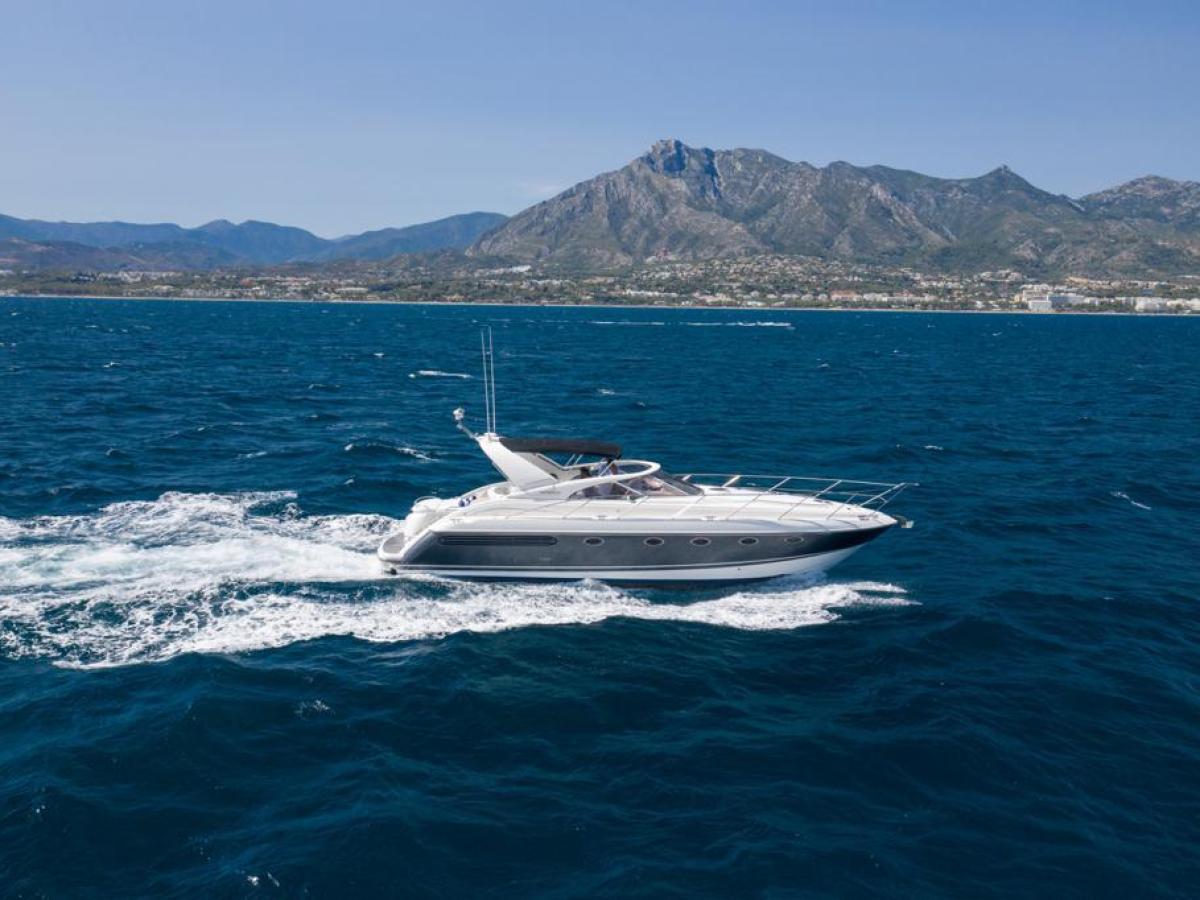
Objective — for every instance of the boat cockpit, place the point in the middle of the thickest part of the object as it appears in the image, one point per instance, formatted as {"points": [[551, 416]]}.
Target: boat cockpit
{"points": [[589, 470]]}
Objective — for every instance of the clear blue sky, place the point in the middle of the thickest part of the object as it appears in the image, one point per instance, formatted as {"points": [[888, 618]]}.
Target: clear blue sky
{"points": [[350, 115]]}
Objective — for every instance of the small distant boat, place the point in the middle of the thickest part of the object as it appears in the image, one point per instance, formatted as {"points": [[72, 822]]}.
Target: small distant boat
{"points": [[577, 509]]}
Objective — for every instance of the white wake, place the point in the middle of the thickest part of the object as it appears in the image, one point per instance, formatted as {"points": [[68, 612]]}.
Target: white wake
{"points": [[223, 573]]}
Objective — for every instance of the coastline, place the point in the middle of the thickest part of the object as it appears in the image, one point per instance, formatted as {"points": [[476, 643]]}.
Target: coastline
{"points": [[526, 305]]}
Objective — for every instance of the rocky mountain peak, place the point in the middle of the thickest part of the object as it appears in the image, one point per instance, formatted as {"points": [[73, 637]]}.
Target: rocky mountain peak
{"points": [[1151, 198], [1149, 185], [1004, 176], [669, 156], [673, 157]]}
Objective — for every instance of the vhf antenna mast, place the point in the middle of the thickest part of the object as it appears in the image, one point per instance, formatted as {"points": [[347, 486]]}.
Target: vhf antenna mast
{"points": [[489, 378], [489, 388]]}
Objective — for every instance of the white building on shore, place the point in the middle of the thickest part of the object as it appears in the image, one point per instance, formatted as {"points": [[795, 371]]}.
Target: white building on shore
{"points": [[1044, 298]]}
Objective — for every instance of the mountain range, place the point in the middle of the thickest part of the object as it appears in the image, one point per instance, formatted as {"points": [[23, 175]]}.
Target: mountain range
{"points": [[686, 203], [681, 202], [30, 243]]}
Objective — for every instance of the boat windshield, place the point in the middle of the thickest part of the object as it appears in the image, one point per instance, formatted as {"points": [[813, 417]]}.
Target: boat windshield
{"points": [[660, 484]]}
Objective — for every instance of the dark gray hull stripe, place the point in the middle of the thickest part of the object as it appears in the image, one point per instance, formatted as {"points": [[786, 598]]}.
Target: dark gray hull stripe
{"points": [[601, 568]]}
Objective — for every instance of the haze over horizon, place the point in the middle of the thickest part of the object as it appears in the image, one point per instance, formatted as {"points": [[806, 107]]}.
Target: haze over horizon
{"points": [[378, 114]]}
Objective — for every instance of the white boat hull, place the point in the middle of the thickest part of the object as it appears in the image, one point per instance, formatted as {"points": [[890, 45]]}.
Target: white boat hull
{"points": [[694, 535]]}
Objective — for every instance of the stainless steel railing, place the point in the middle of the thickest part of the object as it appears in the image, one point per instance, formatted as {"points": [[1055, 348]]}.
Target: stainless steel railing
{"points": [[837, 492], [831, 495], [799, 484]]}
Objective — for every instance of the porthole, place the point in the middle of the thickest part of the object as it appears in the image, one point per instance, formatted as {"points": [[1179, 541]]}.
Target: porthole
{"points": [[654, 542], [796, 539], [701, 542], [593, 541], [748, 541]]}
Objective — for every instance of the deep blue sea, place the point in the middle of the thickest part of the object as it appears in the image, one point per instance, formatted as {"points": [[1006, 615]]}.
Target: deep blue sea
{"points": [[209, 689]]}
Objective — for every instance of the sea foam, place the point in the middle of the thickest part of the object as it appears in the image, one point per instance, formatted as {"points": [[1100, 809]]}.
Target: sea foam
{"points": [[436, 373]]}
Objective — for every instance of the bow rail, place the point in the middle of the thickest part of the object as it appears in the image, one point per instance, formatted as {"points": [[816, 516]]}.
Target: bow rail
{"points": [[840, 492]]}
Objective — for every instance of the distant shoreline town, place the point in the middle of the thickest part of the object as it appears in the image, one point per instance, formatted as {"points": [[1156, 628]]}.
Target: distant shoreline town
{"points": [[762, 282]]}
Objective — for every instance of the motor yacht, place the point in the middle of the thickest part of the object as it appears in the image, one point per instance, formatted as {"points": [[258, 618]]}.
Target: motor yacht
{"points": [[570, 509]]}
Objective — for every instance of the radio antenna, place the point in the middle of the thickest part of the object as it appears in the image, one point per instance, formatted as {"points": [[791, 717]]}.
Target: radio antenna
{"points": [[489, 378]]}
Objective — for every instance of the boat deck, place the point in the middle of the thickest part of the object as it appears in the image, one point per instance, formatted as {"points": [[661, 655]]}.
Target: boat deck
{"points": [[735, 506]]}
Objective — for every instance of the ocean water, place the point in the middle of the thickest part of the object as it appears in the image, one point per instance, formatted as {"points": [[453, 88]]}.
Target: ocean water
{"points": [[208, 688]]}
